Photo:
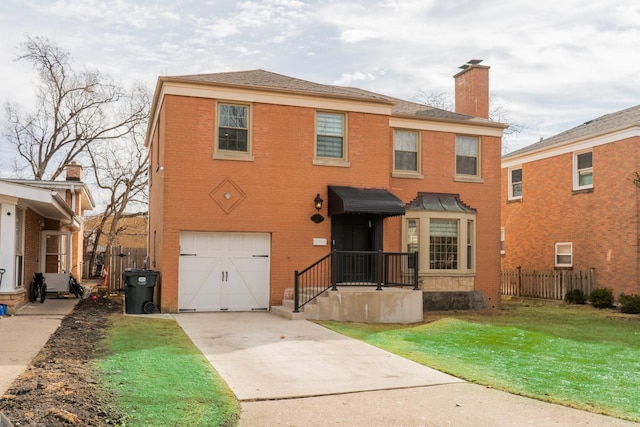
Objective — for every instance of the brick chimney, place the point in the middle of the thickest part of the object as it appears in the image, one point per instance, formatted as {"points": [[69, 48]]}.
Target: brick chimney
{"points": [[74, 172], [472, 89]]}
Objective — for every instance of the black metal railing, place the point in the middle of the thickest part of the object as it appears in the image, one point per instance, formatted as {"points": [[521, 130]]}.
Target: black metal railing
{"points": [[354, 268]]}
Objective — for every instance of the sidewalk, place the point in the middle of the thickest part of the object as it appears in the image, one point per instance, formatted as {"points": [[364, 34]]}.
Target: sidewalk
{"points": [[23, 335], [297, 373]]}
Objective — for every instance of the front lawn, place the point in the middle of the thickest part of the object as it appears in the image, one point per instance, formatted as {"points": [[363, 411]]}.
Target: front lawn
{"points": [[159, 377], [572, 355]]}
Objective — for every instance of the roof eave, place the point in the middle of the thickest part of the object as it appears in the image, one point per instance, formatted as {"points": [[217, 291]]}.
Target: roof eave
{"points": [[471, 121], [523, 155]]}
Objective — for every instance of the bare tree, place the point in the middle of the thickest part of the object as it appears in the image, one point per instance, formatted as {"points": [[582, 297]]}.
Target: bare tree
{"points": [[121, 173], [73, 111], [439, 100], [497, 112]]}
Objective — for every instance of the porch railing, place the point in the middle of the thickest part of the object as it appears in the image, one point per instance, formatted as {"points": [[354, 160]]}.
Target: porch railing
{"points": [[354, 268]]}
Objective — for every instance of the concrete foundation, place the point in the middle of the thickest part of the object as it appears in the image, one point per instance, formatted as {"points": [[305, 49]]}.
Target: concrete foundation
{"points": [[366, 305], [440, 301]]}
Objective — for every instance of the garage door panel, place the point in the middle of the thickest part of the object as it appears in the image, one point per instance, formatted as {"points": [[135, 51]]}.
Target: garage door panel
{"points": [[247, 278], [203, 276], [224, 271]]}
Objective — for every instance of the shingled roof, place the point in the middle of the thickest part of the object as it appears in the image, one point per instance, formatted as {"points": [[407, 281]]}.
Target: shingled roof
{"points": [[278, 82], [602, 125]]}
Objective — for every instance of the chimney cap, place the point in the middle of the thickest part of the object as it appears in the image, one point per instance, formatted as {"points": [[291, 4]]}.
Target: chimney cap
{"points": [[470, 63]]}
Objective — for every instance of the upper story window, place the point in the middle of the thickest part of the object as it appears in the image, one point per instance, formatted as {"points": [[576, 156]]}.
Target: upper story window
{"points": [[515, 183], [406, 152], [233, 138], [330, 136], [564, 254], [582, 170], [468, 156]]}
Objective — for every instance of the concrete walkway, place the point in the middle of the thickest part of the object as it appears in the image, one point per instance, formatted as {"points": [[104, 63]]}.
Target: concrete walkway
{"points": [[297, 373], [23, 335]]}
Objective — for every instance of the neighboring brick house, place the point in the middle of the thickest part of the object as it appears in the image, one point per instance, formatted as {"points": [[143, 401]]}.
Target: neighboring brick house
{"points": [[131, 235], [569, 202], [237, 160], [41, 226]]}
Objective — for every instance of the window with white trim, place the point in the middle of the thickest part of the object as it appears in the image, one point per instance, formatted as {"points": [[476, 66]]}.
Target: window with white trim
{"points": [[406, 153], [468, 155], [564, 254], [330, 136], [583, 170], [515, 183], [233, 136]]}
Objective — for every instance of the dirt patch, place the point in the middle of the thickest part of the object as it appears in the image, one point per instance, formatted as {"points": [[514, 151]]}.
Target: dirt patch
{"points": [[61, 386]]}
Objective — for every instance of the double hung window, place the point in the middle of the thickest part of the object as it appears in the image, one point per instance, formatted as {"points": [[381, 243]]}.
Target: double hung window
{"points": [[515, 184], [564, 254], [583, 170], [406, 151], [330, 136], [233, 136], [467, 156]]}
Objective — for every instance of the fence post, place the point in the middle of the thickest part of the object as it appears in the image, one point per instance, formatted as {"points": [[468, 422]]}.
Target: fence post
{"points": [[519, 282]]}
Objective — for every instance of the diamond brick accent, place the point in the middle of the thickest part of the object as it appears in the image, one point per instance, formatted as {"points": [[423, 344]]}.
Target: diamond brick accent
{"points": [[228, 195]]}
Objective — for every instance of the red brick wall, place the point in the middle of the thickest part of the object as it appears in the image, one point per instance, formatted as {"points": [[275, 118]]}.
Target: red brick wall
{"points": [[602, 224], [281, 183]]}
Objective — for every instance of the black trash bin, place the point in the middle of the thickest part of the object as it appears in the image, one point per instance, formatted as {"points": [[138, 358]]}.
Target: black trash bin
{"points": [[138, 296]]}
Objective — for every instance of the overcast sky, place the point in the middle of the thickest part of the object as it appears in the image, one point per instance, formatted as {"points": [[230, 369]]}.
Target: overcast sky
{"points": [[554, 64]]}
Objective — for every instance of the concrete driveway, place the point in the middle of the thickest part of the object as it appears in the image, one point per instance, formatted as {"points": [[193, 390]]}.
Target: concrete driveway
{"points": [[297, 373]]}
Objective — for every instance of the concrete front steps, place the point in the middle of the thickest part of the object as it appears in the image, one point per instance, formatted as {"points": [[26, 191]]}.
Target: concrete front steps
{"points": [[360, 305]]}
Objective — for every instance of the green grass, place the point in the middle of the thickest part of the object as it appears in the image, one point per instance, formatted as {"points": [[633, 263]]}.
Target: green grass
{"points": [[572, 355], [159, 377]]}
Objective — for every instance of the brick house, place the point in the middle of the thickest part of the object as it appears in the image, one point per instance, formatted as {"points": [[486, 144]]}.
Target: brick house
{"points": [[41, 225], [239, 159], [569, 202]]}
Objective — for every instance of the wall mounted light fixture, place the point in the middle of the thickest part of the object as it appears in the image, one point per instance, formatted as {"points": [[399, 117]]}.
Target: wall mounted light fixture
{"points": [[318, 202]]}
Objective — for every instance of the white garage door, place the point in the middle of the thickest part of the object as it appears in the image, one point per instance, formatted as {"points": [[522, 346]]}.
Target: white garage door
{"points": [[224, 271]]}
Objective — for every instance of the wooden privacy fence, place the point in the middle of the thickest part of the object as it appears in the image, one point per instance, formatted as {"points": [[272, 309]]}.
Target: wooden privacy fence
{"points": [[117, 260], [547, 284]]}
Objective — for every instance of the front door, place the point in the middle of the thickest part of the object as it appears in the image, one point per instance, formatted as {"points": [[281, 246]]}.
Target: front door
{"points": [[356, 233], [55, 259]]}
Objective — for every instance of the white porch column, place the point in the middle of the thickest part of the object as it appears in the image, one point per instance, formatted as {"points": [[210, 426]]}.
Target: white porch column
{"points": [[7, 244]]}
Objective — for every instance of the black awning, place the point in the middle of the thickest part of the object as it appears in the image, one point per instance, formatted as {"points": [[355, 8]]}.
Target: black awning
{"points": [[372, 201], [439, 202]]}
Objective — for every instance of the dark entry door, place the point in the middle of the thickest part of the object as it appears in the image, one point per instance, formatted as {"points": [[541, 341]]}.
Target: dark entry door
{"points": [[358, 234]]}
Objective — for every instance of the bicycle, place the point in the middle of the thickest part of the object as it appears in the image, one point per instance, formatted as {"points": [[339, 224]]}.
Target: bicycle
{"points": [[75, 287], [38, 289]]}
